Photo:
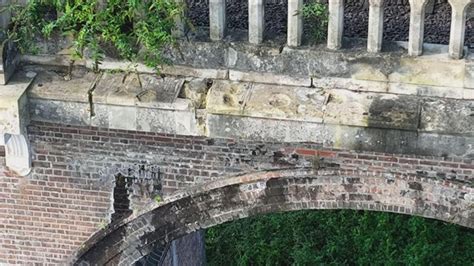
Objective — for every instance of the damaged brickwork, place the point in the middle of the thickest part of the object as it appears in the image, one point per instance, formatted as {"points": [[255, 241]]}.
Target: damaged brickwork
{"points": [[69, 194], [277, 191]]}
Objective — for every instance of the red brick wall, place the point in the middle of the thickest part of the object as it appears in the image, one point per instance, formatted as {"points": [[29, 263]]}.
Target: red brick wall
{"points": [[49, 214]]}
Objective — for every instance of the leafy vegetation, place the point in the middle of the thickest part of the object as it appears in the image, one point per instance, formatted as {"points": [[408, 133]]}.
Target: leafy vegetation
{"points": [[316, 15], [136, 29], [339, 238]]}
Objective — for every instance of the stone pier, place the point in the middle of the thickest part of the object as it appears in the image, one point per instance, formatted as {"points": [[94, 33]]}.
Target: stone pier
{"points": [[417, 27], [336, 24], [375, 37], [256, 21], [217, 18], [295, 22], [458, 28]]}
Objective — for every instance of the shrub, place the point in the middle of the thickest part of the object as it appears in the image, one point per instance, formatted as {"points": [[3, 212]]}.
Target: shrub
{"points": [[136, 29], [316, 17]]}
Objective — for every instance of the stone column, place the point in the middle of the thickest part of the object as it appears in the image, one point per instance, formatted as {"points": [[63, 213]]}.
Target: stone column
{"points": [[256, 21], [336, 24], [217, 18], [458, 28], [375, 37], [180, 27], [5, 15], [295, 22], [417, 27]]}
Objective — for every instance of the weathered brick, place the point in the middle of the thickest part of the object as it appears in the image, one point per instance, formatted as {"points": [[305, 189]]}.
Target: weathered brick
{"points": [[66, 187]]}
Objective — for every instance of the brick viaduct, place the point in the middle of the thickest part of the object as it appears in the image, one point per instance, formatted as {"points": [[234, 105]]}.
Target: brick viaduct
{"points": [[231, 130], [69, 192]]}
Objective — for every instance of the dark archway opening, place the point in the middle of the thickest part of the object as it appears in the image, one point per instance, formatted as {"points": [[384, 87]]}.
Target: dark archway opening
{"points": [[121, 198], [469, 41], [356, 20], [396, 20], [437, 22], [197, 13], [276, 19], [237, 16], [338, 237]]}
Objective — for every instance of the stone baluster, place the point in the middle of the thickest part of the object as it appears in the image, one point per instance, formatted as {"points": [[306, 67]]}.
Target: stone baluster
{"points": [[180, 28], [375, 37], [295, 22], [5, 15], [336, 24], [417, 26], [256, 21], [458, 27], [217, 18]]}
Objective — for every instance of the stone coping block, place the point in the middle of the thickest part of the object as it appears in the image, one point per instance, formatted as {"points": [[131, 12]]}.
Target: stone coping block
{"points": [[433, 74], [342, 107], [14, 115]]}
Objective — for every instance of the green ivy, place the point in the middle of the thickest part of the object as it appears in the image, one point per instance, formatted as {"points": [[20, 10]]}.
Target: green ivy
{"points": [[342, 237], [134, 29], [316, 15]]}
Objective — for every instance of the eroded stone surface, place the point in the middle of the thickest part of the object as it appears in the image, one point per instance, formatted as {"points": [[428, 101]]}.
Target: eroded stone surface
{"points": [[55, 83], [280, 102], [14, 109], [133, 88], [227, 97], [448, 116]]}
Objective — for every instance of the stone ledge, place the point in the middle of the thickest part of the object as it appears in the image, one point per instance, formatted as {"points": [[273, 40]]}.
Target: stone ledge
{"points": [[339, 118], [13, 104], [456, 77]]}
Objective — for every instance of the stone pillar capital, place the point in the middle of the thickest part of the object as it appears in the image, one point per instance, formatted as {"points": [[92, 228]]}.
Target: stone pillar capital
{"points": [[417, 4], [376, 3], [460, 5]]}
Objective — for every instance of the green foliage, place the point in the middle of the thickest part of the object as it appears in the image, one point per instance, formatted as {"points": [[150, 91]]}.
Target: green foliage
{"points": [[136, 29], [316, 15], [158, 199], [339, 238]]}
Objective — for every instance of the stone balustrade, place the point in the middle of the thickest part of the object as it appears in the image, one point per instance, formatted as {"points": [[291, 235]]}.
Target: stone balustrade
{"points": [[336, 24], [217, 17]]}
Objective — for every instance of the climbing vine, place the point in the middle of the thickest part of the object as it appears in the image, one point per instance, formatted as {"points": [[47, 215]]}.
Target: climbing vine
{"points": [[135, 30]]}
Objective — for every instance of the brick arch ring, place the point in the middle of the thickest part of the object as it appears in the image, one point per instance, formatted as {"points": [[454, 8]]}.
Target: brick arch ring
{"points": [[232, 198]]}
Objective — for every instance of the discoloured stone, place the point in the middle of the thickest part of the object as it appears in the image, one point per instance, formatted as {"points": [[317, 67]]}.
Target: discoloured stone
{"points": [[303, 104], [14, 115], [227, 97], [448, 116], [55, 84], [430, 72]]}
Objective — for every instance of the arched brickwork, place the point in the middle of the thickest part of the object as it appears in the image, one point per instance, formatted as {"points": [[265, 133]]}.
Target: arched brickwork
{"points": [[238, 197]]}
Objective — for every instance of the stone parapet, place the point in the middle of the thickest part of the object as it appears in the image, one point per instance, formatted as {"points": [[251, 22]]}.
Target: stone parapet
{"points": [[432, 74]]}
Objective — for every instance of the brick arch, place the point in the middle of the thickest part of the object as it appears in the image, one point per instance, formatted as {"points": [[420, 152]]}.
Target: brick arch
{"points": [[238, 197]]}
